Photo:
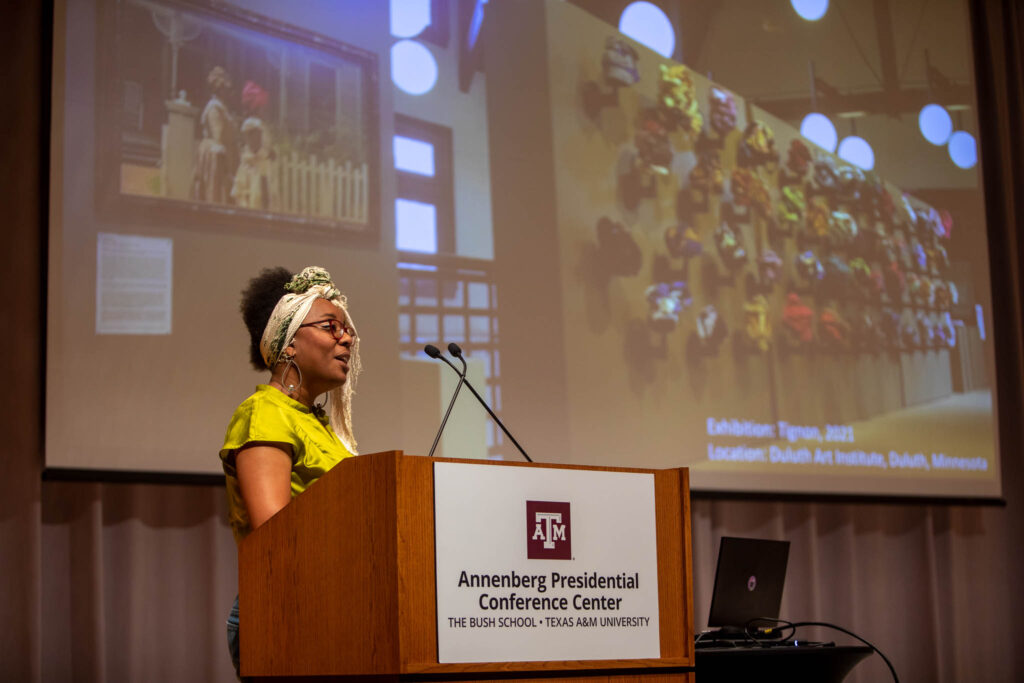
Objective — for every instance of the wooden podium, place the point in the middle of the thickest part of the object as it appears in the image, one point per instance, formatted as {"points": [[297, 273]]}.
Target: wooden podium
{"points": [[340, 583]]}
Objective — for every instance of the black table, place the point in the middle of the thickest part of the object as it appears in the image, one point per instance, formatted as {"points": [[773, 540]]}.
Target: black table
{"points": [[789, 664]]}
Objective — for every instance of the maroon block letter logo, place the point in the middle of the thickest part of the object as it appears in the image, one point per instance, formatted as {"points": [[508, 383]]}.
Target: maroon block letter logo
{"points": [[548, 532]]}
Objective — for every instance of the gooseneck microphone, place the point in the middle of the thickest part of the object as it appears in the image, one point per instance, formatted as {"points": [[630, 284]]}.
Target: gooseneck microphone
{"points": [[434, 352], [456, 351]]}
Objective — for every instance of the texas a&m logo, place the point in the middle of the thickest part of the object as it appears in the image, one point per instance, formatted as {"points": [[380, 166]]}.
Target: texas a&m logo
{"points": [[548, 532]]}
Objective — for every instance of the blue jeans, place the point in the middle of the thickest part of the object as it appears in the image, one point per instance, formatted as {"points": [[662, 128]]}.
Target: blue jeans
{"points": [[232, 626]]}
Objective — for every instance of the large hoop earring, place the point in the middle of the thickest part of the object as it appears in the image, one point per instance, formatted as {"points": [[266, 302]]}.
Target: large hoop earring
{"points": [[290, 363]]}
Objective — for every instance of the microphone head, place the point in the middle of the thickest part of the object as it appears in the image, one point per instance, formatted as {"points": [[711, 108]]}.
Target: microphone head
{"points": [[455, 350], [432, 351]]}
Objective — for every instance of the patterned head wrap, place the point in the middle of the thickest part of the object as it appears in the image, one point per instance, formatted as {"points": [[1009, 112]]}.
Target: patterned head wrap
{"points": [[311, 284]]}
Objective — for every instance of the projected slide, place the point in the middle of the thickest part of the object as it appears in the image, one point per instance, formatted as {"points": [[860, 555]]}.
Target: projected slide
{"points": [[646, 266]]}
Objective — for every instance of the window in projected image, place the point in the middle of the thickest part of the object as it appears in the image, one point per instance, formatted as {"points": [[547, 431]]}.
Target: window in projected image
{"points": [[438, 305], [425, 206], [414, 156], [416, 226], [448, 299]]}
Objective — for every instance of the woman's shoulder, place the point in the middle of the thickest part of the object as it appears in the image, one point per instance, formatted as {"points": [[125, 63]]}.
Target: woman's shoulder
{"points": [[265, 415], [262, 400]]}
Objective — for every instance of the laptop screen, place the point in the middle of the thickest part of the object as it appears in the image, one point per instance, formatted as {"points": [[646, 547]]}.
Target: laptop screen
{"points": [[748, 581]]}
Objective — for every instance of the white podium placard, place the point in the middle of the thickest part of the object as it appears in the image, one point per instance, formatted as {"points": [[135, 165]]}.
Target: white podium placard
{"points": [[544, 564]]}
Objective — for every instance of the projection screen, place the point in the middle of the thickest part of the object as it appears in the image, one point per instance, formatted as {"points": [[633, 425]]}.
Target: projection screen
{"points": [[646, 261]]}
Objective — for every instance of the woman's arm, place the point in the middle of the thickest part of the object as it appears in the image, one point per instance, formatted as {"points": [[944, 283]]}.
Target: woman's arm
{"points": [[264, 476]]}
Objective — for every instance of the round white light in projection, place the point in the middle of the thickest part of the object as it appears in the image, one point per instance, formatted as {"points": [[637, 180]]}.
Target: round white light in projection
{"points": [[409, 17], [819, 129], [963, 150], [857, 151], [935, 123], [647, 24], [413, 67], [811, 10]]}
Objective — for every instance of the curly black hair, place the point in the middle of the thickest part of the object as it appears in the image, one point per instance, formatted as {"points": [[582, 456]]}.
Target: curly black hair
{"points": [[258, 301]]}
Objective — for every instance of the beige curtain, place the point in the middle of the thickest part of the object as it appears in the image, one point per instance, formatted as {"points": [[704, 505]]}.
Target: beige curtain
{"points": [[137, 581], [131, 582]]}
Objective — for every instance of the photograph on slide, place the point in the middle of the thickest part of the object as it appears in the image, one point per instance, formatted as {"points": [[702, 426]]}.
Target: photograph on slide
{"points": [[231, 114], [780, 313]]}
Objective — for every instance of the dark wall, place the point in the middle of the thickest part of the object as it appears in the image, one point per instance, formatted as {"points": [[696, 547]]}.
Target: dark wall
{"points": [[22, 198]]}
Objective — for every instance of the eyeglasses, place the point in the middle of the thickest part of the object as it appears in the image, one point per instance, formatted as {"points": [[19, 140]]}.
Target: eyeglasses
{"points": [[337, 328]]}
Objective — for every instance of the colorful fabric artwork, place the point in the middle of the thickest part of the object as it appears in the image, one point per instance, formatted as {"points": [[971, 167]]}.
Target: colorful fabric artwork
{"points": [[770, 266], [757, 146], [792, 206], [798, 158], [723, 111], [758, 326], [711, 328], [666, 300], [729, 246], [677, 100], [653, 148], [826, 176], [808, 265], [619, 62], [834, 331], [707, 174], [798, 320], [682, 242]]}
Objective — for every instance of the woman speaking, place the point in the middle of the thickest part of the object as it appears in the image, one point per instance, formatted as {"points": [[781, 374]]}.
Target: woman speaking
{"points": [[279, 440]]}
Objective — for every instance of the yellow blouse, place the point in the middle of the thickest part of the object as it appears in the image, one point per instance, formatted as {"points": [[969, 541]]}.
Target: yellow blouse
{"points": [[272, 417]]}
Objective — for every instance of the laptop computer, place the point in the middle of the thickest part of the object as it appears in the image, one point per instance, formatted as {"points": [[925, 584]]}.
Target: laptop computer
{"points": [[749, 579]]}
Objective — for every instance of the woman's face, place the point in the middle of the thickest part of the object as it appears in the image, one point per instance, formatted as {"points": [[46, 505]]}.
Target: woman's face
{"points": [[322, 359]]}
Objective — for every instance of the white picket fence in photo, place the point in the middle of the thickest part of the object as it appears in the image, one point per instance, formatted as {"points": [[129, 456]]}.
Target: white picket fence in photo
{"points": [[322, 189]]}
